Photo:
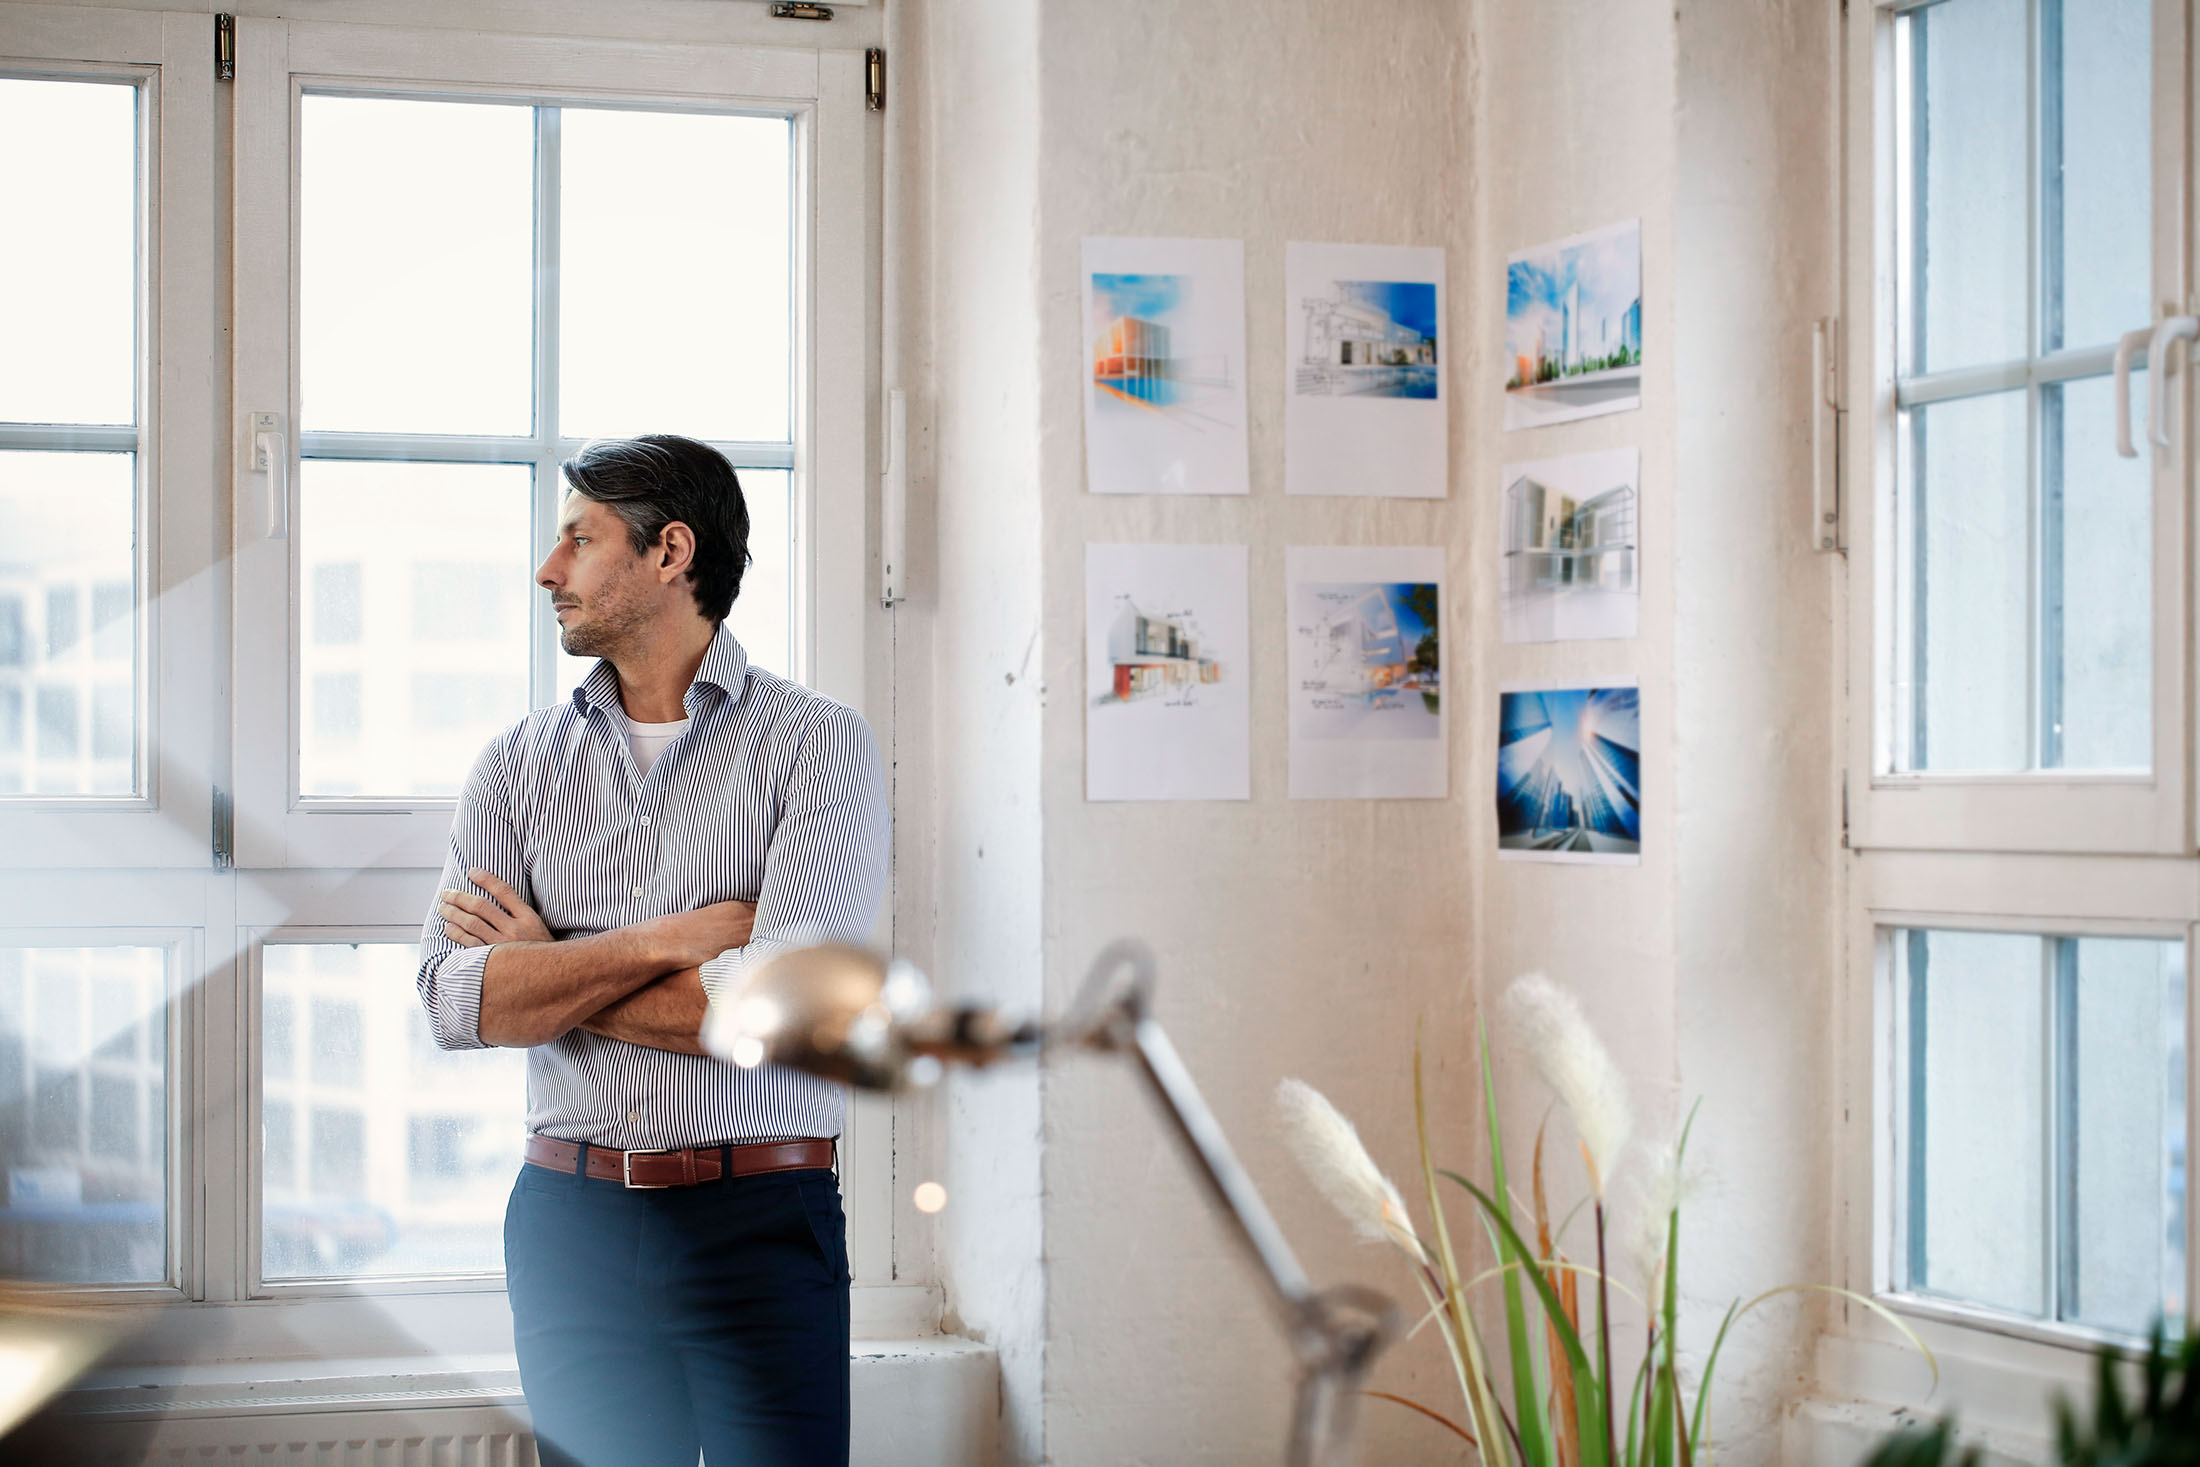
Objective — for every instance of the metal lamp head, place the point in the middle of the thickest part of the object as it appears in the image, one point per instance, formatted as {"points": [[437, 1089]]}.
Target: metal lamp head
{"points": [[836, 1011]]}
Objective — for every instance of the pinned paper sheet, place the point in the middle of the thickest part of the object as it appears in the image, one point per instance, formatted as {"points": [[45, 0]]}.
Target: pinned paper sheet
{"points": [[1165, 366], [1364, 399], [1167, 716], [1368, 711]]}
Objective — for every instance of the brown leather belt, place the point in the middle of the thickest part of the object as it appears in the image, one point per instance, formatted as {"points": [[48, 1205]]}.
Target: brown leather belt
{"points": [[680, 1167]]}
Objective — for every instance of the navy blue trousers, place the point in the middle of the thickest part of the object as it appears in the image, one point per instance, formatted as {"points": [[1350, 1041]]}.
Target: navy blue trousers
{"points": [[655, 1324]]}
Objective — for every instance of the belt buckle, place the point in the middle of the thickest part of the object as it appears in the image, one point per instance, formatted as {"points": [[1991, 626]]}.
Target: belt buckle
{"points": [[626, 1168]]}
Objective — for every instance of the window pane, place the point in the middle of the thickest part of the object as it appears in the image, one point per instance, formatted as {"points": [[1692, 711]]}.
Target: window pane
{"points": [[763, 614], [2127, 1259], [380, 1154], [68, 625], [2097, 188], [1978, 1118], [69, 316], [1968, 125], [416, 276], [1965, 589], [2099, 571], [414, 653], [83, 1107], [677, 285]]}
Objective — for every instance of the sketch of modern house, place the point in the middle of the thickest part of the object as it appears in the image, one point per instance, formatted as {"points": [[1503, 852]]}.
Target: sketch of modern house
{"points": [[1354, 347], [1131, 356], [1558, 546], [1153, 654]]}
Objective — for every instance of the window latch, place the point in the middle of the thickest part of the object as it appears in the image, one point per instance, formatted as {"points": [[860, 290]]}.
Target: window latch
{"points": [[1826, 529]]}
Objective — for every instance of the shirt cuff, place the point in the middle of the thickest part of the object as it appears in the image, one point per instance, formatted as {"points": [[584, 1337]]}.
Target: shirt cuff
{"points": [[723, 975], [455, 1008]]}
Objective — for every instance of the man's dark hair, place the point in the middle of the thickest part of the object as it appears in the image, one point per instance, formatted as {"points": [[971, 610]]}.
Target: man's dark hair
{"points": [[651, 481]]}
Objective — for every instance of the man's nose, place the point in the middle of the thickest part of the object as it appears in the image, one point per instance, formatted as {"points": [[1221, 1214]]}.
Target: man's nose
{"points": [[546, 575]]}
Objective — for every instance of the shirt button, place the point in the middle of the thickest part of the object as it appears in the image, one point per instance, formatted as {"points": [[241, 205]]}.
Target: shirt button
{"points": [[637, 891], [633, 1115], [645, 820]]}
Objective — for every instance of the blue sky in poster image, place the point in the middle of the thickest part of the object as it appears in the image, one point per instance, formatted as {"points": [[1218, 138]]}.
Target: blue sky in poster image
{"points": [[1570, 759], [1607, 266], [1148, 297], [1411, 303]]}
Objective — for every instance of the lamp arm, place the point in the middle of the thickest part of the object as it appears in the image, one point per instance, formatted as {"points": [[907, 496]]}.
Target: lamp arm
{"points": [[1226, 1178]]}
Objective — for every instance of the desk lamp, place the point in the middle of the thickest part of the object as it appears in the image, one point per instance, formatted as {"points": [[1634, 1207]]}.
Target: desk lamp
{"points": [[846, 1014]]}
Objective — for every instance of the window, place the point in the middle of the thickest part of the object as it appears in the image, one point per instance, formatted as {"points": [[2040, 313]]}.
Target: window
{"points": [[380, 1155], [225, 1089], [70, 445], [2020, 735], [2043, 1140]]}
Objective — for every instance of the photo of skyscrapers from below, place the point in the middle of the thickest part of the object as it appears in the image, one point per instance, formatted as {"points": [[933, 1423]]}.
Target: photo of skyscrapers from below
{"points": [[1155, 657], [1573, 328], [1569, 775], [1369, 338], [1570, 562]]}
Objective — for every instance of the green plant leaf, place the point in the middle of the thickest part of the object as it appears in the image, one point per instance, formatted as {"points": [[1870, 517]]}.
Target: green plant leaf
{"points": [[1481, 1400], [1527, 1399], [1588, 1402]]}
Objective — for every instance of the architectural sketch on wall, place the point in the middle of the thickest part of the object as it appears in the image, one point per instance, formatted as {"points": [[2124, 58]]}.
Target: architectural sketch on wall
{"points": [[1366, 672], [1569, 775], [1167, 716], [1571, 567], [1165, 366], [1151, 655], [1368, 338], [1364, 396], [1573, 328]]}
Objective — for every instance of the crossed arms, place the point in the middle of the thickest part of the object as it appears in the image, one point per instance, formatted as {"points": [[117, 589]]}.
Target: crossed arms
{"points": [[642, 983], [493, 974]]}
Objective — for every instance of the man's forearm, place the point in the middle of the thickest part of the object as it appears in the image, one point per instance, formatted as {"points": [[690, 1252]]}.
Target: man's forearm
{"points": [[531, 992], [664, 1014]]}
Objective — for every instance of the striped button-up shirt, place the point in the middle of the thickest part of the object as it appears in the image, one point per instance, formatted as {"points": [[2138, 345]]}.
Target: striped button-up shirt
{"points": [[773, 795]]}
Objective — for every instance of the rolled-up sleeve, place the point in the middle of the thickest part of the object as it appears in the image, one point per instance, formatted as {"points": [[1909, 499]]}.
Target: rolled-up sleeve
{"points": [[825, 870], [483, 837]]}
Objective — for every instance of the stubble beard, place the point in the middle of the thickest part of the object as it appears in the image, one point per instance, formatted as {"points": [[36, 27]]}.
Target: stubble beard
{"points": [[608, 627]]}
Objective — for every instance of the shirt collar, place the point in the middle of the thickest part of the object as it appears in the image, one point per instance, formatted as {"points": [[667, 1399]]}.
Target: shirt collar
{"points": [[725, 667]]}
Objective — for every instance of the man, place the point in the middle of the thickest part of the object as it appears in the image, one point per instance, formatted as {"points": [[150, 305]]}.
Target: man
{"points": [[674, 1247]]}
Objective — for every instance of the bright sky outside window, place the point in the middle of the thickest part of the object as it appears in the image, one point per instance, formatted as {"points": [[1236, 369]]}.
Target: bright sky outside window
{"points": [[69, 643], [429, 331], [2023, 633]]}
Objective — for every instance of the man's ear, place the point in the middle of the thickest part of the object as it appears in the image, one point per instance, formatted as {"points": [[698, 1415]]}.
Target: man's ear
{"points": [[675, 552]]}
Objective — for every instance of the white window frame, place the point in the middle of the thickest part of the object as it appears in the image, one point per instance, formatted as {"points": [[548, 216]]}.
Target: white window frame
{"points": [[278, 61], [169, 822], [335, 874], [2056, 852], [2049, 810]]}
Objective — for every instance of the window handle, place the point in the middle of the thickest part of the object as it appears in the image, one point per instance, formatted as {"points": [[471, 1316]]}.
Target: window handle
{"points": [[271, 456], [2169, 329], [2128, 343]]}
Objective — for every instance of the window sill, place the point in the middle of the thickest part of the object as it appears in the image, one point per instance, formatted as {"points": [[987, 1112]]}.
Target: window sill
{"points": [[929, 1401]]}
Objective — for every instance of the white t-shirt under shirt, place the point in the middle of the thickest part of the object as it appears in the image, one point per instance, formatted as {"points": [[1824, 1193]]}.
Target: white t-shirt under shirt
{"points": [[648, 740]]}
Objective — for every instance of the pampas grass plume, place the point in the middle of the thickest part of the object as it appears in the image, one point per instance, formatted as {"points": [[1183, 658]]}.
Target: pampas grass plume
{"points": [[1549, 1024], [1328, 1148]]}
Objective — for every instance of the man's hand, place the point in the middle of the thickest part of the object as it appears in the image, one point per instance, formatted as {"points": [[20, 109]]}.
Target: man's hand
{"points": [[691, 939], [473, 921]]}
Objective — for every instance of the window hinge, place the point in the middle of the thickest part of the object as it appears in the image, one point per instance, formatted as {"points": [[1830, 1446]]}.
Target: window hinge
{"points": [[1828, 505], [874, 79], [1844, 809], [225, 830], [799, 11], [225, 48]]}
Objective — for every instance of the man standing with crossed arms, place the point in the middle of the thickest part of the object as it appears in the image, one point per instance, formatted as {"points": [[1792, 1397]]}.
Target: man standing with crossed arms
{"points": [[675, 1250]]}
